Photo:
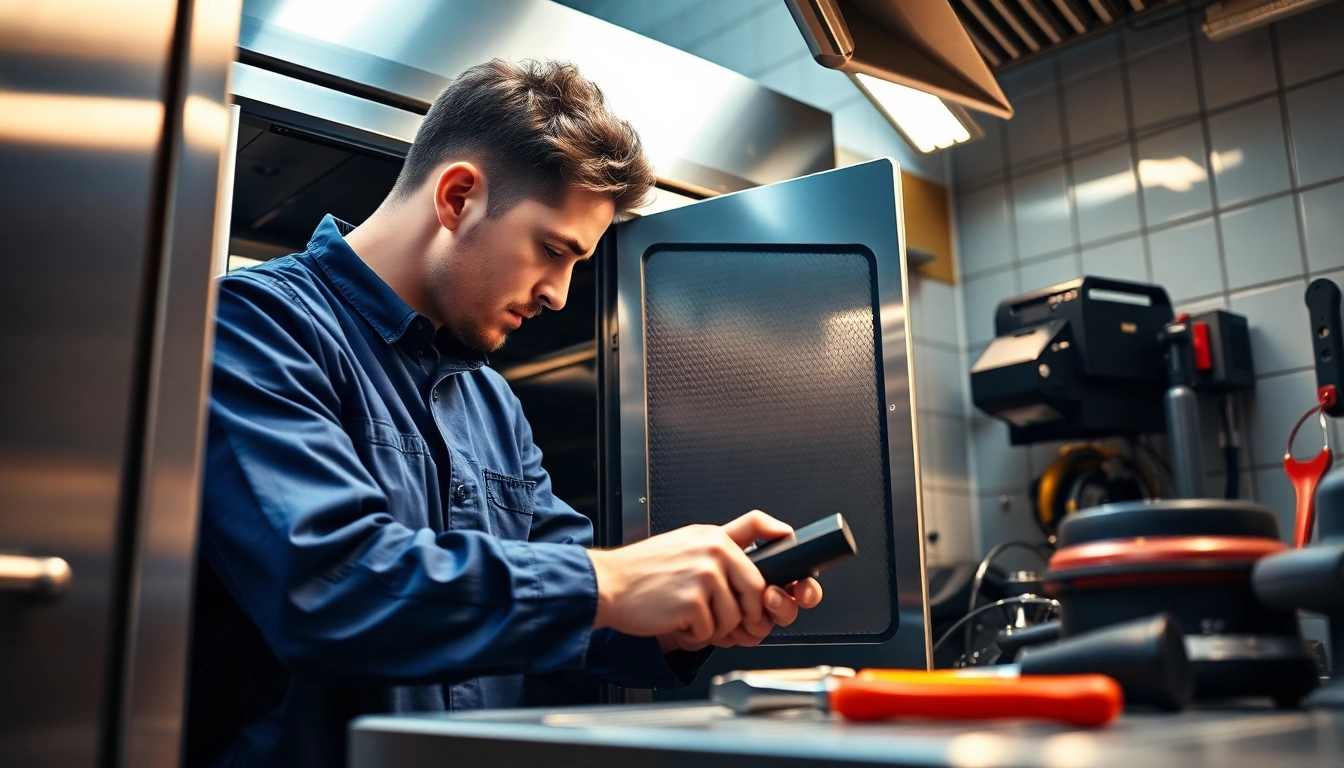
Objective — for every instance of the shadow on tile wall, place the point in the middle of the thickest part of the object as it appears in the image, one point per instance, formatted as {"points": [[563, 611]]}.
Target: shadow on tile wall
{"points": [[1152, 154]]}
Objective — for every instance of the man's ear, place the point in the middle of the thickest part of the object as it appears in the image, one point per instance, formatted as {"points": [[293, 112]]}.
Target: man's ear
{"points": [[460, 196]]}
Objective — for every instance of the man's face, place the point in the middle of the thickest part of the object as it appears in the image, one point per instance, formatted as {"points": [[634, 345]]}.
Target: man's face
{"points": [[505, 269]]}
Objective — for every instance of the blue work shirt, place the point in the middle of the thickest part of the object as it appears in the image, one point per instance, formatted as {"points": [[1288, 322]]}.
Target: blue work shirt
{"points": [[377, 534]]}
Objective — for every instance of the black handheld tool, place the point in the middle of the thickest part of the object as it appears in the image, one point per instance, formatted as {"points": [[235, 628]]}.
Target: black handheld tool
{"points": [[1327, 339], [805, 551]]}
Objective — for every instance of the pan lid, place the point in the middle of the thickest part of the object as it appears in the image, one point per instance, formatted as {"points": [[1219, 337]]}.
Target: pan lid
{"points": [[1175, 517]]}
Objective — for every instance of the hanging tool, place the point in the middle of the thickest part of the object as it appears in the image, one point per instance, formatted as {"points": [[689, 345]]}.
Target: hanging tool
{"points": [[1306, 475], [1080, 700]]}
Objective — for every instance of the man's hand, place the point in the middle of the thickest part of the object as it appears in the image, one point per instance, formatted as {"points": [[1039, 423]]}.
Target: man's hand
{"points": [[694, 586]]}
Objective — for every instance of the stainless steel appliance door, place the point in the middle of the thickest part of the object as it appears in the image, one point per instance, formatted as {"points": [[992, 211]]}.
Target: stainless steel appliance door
{"points": [[762, 352], [112, 118]]}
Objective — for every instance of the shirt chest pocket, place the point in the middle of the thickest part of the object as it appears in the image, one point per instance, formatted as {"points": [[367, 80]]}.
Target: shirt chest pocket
{"points": [[510, 503], [401, 465]]}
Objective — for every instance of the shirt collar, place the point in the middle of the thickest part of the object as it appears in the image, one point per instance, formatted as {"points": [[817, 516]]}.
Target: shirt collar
{"points": [[387, 312], [374, 299]]}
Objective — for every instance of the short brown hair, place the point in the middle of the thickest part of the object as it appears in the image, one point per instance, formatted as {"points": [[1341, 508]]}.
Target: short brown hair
{"points": [[538, 130]]}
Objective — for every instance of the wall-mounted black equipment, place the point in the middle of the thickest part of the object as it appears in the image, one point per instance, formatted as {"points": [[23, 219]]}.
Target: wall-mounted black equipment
{"points": [[1096, 357], [1076, 360]]}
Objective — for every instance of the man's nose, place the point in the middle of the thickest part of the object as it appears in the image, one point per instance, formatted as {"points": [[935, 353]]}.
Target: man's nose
{"points": [[553, 291]]}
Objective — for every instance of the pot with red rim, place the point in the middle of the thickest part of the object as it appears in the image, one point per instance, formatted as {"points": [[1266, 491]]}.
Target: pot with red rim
{"points": [[1193, 559]]}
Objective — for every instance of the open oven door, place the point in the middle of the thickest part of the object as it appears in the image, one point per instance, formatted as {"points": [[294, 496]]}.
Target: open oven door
{"points": [[755, 354]]}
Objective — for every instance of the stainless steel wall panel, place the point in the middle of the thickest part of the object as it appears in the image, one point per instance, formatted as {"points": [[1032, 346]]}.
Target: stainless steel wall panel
{"points": [[81, 128], [164, 544]]}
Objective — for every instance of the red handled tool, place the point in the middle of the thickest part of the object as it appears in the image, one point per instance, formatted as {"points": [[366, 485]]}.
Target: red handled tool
{"points": [[1305, 475], [1079, 700]]}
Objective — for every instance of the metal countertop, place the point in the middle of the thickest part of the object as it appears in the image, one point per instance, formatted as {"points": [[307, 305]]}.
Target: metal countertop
{"points": [[701, 735]]}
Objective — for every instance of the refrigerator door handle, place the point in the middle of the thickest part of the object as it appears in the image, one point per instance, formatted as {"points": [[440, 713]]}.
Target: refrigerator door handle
{"points": [[45, 578]]}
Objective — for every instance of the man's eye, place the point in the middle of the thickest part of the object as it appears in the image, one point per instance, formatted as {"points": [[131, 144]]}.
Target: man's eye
{"points": [[551, 252]]}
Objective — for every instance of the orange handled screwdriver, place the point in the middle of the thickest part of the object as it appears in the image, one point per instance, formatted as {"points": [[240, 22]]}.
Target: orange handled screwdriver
{"points": [[1081, 700]]}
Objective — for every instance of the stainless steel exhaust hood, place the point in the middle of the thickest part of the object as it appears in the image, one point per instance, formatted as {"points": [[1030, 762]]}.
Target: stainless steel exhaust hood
{"points": [[708, 129], [916, 43]]}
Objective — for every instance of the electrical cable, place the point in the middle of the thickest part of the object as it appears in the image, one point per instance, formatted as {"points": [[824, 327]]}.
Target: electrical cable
{"points": [[1231, 450], [1018, 600], [1041, 551]]}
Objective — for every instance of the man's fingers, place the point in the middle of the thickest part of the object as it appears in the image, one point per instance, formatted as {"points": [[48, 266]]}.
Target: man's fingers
{"points": [[755, 525], [701, 627], [749, 585], [781, 606], [806, 592], [727, 615]]}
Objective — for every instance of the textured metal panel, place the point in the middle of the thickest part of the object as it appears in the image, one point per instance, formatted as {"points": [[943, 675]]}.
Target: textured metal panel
{"points": [[762, 375], [846, 211]]}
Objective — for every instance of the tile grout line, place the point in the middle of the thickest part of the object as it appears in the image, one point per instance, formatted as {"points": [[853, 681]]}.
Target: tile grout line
{"points": [[1070, 186], [1133, 144], [1299, 213]]}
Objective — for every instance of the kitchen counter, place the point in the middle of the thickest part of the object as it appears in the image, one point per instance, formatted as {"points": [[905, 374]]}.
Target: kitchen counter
{"points": [[703, 735]]}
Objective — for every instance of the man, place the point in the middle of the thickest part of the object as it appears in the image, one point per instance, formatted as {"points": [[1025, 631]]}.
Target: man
{"points": [[378, 533]]}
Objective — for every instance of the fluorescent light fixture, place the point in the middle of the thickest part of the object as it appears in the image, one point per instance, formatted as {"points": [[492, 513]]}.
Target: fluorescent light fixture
{"points": [[926, 121]]}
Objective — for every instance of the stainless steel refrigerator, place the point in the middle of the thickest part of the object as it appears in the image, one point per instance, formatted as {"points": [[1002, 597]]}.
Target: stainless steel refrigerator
{"points": [[113, 127]]}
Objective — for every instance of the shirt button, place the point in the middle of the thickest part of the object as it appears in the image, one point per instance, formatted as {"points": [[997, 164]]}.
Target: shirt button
{"points": [[463, 493], [434, 395]]}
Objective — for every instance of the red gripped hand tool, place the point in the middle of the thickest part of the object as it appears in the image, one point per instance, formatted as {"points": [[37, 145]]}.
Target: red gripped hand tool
{"points": [[882, 694], [1305, 475]]}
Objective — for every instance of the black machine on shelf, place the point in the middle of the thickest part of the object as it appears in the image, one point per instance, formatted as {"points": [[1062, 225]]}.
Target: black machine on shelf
{"points": [[1084, 359], [1097, 358]]}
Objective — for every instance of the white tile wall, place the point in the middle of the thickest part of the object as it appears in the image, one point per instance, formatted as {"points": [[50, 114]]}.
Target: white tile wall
{"points": [[1162, 86], [937, 316], [1094, 104], [1316, 114], [1236, 69], [1122, 259], [1280, 324], [983, 294], [1041, 206], [982, 223], [980, 160], [1048, 272], [1105, 192], [1254, 119], [1323, 212], [1173, 170], [1185, 259], [1260, 243], [1247, 152], [1034, 134]]}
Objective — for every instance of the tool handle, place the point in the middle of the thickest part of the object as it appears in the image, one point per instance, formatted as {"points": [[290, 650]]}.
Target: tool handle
{"points": [[1081, 700], [1305, 475], [1327, 338]]}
